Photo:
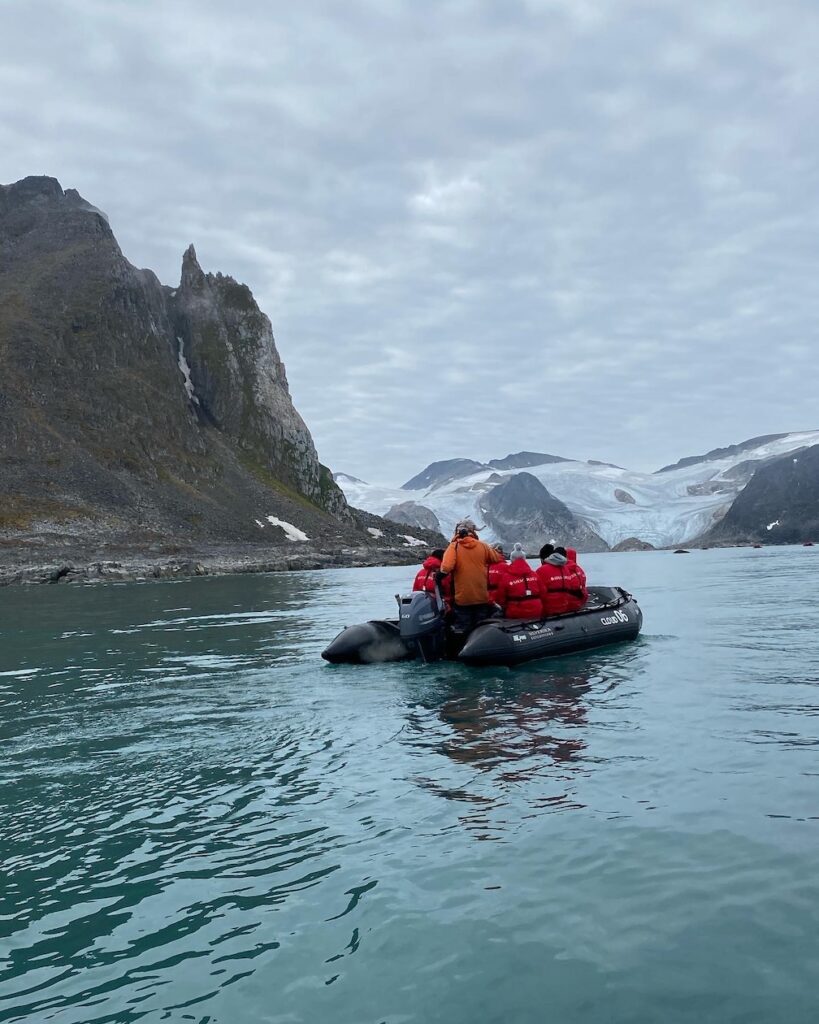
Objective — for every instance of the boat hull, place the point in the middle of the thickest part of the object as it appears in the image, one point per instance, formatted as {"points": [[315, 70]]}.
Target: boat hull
{"points": [[368, 643], [610, 616], [511, 641]]}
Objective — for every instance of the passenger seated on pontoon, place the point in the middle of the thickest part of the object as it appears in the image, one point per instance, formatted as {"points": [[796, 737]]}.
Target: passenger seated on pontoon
{"points": [[562, 583], [429, 572], [520, 591]]}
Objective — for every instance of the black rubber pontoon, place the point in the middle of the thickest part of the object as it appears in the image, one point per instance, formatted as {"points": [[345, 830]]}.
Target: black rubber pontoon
{"points": [[611, 615], [369, 643]]}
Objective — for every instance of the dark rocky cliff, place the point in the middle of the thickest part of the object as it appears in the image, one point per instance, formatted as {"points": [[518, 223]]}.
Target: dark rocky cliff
{"points": [[522, 509], [130, 410], [779, 505]]}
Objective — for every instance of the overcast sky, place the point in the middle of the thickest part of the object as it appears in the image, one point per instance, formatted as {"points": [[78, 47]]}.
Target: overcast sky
{"points": [[585, 227]]}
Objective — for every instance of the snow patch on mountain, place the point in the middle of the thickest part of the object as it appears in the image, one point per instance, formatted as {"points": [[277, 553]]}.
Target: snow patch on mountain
{"points": [[290, 531]]}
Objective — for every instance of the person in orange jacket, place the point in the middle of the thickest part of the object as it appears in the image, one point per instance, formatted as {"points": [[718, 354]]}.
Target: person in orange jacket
{"points": [[467, 559], [429, 572], [495, 574], [562, 583], [520, 593]]}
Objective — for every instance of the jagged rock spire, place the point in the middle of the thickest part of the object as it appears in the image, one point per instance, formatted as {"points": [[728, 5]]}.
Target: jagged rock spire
{"points": [[192, 274]]}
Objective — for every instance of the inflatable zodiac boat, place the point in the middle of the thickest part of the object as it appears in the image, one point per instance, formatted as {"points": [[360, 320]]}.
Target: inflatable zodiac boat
{"points": [[609, 616]]}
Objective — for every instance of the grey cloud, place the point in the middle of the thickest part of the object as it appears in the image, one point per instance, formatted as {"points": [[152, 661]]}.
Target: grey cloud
{"points": [[571, 225]]}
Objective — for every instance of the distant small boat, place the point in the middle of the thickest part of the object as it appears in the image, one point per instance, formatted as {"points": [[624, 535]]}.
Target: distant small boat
{"points": [[756, 545], [807, 544], [682, 551]]}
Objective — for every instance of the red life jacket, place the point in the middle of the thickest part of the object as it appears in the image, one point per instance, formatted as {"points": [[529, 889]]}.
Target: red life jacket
{"points": [[563, 588], [520, 591], [425, 579], [571, 555], [495, 575]]}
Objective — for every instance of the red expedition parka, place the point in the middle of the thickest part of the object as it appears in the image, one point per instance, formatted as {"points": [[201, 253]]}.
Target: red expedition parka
{"points": [[571, 555], [495, 576], [425, 579], [520, 591], [562, 588]]}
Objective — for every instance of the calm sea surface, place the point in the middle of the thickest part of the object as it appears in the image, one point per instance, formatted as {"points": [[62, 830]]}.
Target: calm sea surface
{"points": [[201, 821]]}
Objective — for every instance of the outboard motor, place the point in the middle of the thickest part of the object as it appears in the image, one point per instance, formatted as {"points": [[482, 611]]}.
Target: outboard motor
{"points": [[421, 622]]}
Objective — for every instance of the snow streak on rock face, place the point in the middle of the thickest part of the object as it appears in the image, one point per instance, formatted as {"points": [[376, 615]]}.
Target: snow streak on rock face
{"points": [[186, 373], [669, 508], [290, 531]]}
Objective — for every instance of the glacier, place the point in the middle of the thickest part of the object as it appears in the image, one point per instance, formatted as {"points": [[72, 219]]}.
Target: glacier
{"points": [[670, 507]]}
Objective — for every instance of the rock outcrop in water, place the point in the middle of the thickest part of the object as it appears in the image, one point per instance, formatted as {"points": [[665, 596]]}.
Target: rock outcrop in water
{"points": [[633, 544], [133, 413], [521, 509], [779, 505]]}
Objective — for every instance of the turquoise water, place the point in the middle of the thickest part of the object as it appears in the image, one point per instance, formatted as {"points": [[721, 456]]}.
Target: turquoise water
{"points": [[201, 821]]}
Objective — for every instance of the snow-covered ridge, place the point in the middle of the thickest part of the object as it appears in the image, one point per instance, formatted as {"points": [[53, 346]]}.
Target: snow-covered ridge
{"points": [[668, 508]]}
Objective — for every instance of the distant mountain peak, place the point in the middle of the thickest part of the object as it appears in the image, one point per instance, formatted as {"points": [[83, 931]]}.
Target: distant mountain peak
{"points": [[193, 277], [33, 187], [437, 474], [525, 460], [522, 509], [722, 453]]}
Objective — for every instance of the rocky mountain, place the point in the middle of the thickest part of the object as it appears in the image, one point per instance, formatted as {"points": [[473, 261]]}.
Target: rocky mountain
{"points": [[410, 513], [722, 453], [521, 509], [664, 509], [132, 412], [780, 504], [524, 460], [439, 473]]}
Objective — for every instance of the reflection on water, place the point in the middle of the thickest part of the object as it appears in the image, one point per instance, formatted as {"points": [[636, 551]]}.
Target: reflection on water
{"points": [[523, 731], [200, 821]]}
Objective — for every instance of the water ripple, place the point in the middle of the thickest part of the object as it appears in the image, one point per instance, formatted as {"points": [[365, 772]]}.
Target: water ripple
{"points": [[199, 821]]}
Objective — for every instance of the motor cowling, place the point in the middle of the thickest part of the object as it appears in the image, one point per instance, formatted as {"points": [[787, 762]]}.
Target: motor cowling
{"points": [[420, 615]]}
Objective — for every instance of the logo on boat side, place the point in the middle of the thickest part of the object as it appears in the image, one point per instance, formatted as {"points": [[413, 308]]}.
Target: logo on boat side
{"points": [[613, 620]]}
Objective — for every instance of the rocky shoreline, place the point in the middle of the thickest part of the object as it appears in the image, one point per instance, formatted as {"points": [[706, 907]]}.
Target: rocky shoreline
{"points": [[128, 565]]}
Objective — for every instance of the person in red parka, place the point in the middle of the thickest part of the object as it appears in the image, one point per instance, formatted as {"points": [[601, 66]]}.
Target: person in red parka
{"points": [[562, 583], [425, 577], [571, 558], [495, 574], [520, 591]]}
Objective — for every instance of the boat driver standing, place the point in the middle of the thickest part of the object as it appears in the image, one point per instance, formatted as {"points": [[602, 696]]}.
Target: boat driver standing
{"points": [[467, 558]]}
